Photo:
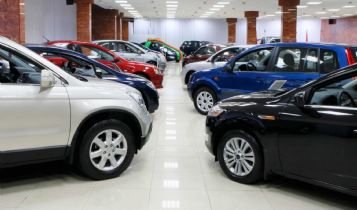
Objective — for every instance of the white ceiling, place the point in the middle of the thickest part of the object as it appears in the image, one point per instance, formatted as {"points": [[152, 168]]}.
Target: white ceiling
{"points": [[235, 8]]}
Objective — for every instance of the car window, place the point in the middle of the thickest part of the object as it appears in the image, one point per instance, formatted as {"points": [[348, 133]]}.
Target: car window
{"points": [[71, 64], [257, 60], [290, 60], [131, 49], [108, 45], [342, 93], [210, 51], [228, 54], [354, 53], [311, 61], [15, 68], [328, 61], [201, 51], [95, 53]]}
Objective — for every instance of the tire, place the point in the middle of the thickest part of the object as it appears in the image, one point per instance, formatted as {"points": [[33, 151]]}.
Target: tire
{"points": [[255, 158], [96, 136], [207, 97]]}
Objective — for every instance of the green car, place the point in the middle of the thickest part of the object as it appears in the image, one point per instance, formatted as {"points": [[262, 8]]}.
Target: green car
{"points": [[171, 53]]}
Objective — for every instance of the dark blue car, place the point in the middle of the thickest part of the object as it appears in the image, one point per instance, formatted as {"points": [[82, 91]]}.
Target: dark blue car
{"points": [[267, 67], [79, 64]]}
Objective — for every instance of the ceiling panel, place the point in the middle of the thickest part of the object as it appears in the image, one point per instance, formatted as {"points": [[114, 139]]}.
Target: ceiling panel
{"points": [[234, 8]]}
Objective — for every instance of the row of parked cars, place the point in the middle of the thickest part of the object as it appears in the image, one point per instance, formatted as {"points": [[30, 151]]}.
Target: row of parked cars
{"points": [[88, 103], [285, 109]]}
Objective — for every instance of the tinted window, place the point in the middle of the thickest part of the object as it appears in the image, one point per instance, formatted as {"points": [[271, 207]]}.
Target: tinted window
{"points": [[15, 68], [201, 51], [107, 45], [290, 60], [257, 60], [328, 61], [311, 61]]}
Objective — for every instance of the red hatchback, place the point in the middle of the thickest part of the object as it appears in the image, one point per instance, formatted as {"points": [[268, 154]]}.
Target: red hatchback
{"points": [[107, 57], [203, 53]]}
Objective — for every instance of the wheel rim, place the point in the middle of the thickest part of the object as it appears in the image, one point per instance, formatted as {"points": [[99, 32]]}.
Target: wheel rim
{"points": [[204, 101], [108, 150], [239, 156]]}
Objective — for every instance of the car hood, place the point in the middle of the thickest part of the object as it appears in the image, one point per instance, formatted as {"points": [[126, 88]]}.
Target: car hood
{"points": [[254, 98], [135, 63], [108, 85]]}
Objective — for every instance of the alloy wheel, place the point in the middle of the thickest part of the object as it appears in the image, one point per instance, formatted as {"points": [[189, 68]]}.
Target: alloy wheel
{"points": [[204, 101], [108, 150], [239, 156]]}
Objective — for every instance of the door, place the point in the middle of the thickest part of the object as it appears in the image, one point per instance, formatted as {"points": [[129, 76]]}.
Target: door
{"points": [[293, 67], [248, 73], [319, 141], [31, 117]]}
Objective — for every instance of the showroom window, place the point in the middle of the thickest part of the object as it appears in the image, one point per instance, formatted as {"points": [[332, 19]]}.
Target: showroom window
{"points": [[15, 68], [328, 61], [342, 93], [255, 61], [290, 59]]}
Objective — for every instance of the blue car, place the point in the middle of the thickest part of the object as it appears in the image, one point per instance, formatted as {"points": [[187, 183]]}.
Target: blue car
{"points": [[80, 65], [267, 67]]}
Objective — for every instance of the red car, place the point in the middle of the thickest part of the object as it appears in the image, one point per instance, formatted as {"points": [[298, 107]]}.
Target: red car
{"points": [[203, 53], [107, 57]]}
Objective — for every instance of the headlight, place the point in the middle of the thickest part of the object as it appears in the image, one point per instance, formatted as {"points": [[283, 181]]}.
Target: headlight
{"points": [[157, 71], [215, 111], [137, 97]]}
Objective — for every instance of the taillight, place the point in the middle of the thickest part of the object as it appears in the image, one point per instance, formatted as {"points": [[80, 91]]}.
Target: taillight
{"points": [[350, 58]]}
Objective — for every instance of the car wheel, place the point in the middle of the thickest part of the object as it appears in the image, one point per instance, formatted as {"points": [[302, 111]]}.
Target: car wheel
{"points": [[240, 157], [204, 99], [106, 150]]}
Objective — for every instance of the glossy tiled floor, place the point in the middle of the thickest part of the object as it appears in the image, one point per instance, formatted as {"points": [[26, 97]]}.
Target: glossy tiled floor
{"points": [[173, 171]]}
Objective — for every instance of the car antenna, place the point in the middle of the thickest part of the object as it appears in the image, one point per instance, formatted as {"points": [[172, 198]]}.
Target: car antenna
{"points": [[47, 40]]}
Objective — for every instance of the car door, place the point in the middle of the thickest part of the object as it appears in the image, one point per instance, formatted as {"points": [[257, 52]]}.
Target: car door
{"points": [[293, 67], [319, 140], [122, 51], [32, 118], [136, 54], [247, 73]]}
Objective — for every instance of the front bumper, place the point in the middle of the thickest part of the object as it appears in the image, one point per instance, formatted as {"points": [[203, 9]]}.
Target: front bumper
{"points": [[145, 139], [210, 124]]}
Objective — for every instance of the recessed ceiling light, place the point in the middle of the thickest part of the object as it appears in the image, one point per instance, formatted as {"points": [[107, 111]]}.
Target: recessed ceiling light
{"points": [[209, 12], [279, 12], [171, 2], [171, 5], [306, 15], [347, 15], [128, 8], [301, 6], [223, 2], [121, 2], [218, 5], [324, 17], [320, 13], [270, 15], [335, 16], [214, 9], [349, 6], [125, 5], [333, 10], [314, 2]]}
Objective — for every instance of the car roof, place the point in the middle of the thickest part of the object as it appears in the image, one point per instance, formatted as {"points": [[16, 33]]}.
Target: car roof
{"points": [[304, 44]]}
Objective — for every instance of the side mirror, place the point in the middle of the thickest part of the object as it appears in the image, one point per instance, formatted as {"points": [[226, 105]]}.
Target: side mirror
{"points": [[99, 73], [5, 67], [228, 68], [48, 80], [299, 99]]}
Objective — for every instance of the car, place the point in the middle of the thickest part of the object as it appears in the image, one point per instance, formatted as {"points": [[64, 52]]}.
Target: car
{"points": [[264, 67], [189, 47], [48, 114], [79, 64], [269, 40], [307, 133], [171, 53], [203, 53], [132, 52], [108, 57], [216, 60]]}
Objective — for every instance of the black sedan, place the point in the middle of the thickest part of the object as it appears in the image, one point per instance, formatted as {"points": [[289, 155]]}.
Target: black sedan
{"points": [[309, 133]]}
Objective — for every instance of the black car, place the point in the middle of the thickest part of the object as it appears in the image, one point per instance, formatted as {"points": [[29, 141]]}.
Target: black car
{"points": [[309, 133], [189, 47]]}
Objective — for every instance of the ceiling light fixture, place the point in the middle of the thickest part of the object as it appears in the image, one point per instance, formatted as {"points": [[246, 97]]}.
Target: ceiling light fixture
{"points": [[335, 16], [218, 5], [223, 2], [125, 5], [121, 2], [314, 2], [349, 6], [347, 15], [301, 6], [333, 10], [320, 13], [171, 2], [171, 5]]}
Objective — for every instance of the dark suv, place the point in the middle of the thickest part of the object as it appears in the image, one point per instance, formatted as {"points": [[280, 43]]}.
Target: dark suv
{"points": [[308, 133], [189, 47]]}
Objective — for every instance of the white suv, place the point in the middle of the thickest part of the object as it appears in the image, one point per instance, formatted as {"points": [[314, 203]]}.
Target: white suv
{"points": [[48, 114]]}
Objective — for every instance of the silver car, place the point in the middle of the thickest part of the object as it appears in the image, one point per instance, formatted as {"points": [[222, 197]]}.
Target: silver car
{"points": [[134, 52], [218, 59], [48, 114]]}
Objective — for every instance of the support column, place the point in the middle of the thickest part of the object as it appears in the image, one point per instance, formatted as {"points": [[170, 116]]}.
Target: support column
{"points": [[104, 23], [84, 20], [232, 24], [12, 24], [288, 19], [125, 29], [251, 26], [119, 26]]}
